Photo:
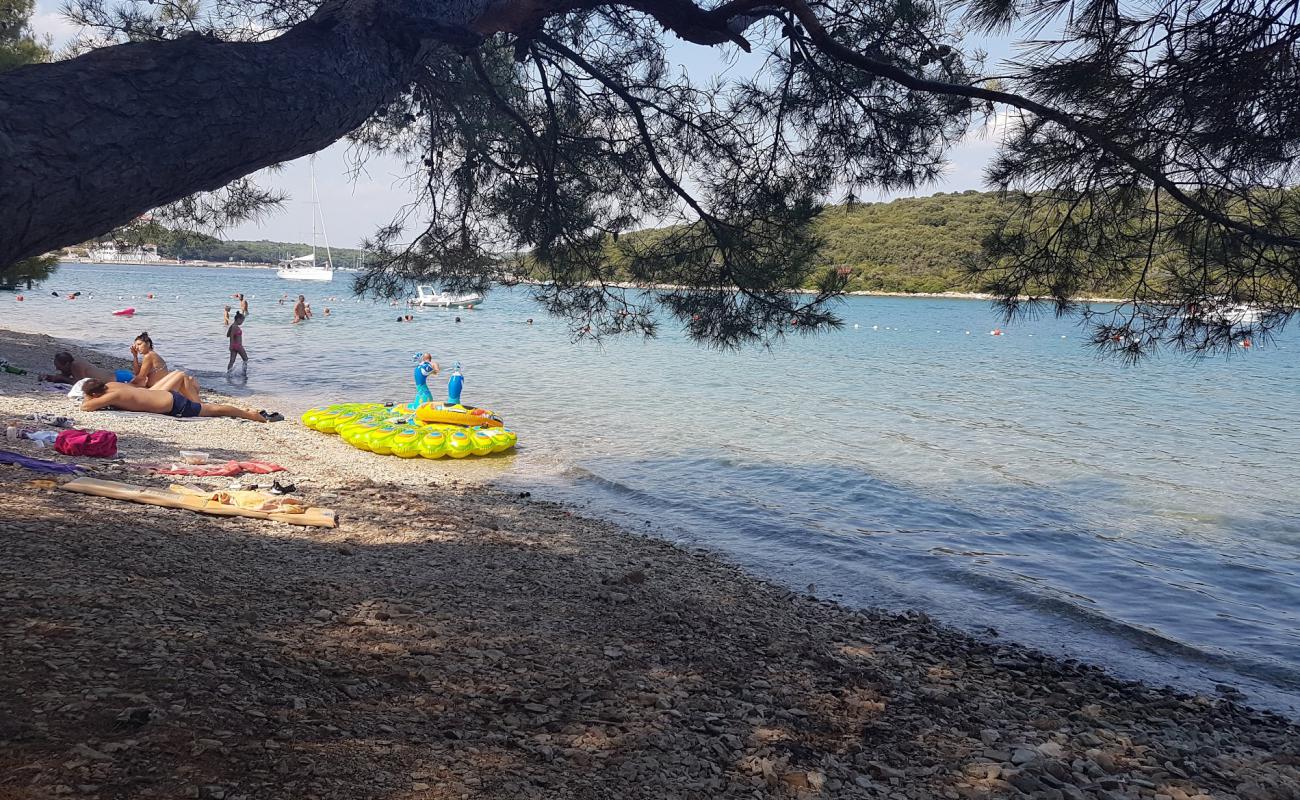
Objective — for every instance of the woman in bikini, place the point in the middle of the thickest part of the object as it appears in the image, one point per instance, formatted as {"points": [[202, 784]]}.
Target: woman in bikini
{"points": [[149, 366]]}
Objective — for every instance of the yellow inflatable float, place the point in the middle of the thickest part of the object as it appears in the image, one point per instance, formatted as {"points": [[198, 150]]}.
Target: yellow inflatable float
{"points": [[441, 413], [430, 431]]}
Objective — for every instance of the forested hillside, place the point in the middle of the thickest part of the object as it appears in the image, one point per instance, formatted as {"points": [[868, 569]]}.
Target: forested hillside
{"points": [[209, 248], [914, 244]]}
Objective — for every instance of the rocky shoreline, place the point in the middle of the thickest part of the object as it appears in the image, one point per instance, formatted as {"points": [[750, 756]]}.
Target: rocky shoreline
{"points": [[449, 640]]}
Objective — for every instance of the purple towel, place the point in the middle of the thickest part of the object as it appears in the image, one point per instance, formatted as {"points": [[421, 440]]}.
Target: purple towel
{"points": [[38, 464]]}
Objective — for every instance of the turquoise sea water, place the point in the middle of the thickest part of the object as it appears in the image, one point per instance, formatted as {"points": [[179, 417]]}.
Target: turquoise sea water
{"points": [[1143, 518]]}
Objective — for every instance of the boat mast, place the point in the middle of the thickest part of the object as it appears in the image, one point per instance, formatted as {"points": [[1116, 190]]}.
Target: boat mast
{"points": [[329, 258]]}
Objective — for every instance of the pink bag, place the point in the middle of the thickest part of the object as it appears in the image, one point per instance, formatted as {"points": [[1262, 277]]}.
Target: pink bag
{"points": [[74, 442]]}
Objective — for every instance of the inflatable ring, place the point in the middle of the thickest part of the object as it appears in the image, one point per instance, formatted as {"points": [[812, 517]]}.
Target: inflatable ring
{"points": [[435, 413]]}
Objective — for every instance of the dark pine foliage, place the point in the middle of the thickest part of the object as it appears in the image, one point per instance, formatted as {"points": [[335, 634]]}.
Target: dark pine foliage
{"points": [[1145, 140]]}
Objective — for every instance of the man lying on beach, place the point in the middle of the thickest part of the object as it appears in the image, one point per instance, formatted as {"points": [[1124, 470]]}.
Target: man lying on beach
{"points": [[72, 369], [125, 397]]}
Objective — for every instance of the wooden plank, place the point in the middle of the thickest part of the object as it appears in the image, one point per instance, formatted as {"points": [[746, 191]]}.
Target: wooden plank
{"points": [[313, 517]]}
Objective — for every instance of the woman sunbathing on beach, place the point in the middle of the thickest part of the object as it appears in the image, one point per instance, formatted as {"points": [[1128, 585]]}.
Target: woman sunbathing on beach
{"points": [[149, 366], [125, 397]]}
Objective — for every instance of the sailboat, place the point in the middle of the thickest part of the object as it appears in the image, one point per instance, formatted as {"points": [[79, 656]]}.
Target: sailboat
{"points": [[305, 268]]}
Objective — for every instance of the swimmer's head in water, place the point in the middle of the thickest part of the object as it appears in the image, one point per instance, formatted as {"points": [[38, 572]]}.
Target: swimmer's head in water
{"points": [[239, 317], [63, 359], [93, 387], [143, 339]]}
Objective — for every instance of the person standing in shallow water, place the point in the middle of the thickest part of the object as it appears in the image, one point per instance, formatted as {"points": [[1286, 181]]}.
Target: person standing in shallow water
{"points": [[236, 335], [300, 310], [243, 304]]}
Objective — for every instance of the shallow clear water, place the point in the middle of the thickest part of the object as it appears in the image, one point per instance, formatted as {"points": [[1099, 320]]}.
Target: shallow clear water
{"points": [[1144, 518]]}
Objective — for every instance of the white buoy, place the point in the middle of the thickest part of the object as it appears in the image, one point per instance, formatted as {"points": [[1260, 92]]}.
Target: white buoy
{"points": [[968, 333], [875, 327], [855, 326]]}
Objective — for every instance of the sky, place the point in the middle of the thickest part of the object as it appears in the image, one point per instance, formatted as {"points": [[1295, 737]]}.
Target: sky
{"points": [[354, 204]]}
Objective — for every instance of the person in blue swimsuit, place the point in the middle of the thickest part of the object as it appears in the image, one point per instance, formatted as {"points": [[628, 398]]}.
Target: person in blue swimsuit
{"points": [[423, 370]]}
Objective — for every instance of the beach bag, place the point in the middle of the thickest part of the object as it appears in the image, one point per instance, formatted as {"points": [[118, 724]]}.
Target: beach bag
{"points": [[76, 442]]}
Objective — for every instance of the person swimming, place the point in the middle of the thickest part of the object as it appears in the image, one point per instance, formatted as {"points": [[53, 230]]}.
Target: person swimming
{"points": [[423, 370]]}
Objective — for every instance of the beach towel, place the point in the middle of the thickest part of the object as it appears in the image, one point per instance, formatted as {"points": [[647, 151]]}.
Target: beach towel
{"points": [[38, 464], [227, 470], [76, 393]]}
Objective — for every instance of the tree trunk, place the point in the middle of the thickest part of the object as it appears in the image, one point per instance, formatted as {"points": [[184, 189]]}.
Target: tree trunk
{"points": [[91, 143]]}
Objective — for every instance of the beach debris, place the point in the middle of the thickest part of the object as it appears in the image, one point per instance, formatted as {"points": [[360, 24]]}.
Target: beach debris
{"points": [[229, 469], [37, 464]]}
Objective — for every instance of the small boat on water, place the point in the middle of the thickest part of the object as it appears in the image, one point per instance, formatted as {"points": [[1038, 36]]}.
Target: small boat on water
{"points": [[305, 268], [1225, 312], [428, 298]]}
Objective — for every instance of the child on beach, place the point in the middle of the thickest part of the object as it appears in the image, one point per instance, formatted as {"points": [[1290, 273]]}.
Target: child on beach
{"points": [[236, 335], [423, 370]]}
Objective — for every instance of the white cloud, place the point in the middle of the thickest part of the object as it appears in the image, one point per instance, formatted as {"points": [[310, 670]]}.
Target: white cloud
{"points": [[48, 21]]}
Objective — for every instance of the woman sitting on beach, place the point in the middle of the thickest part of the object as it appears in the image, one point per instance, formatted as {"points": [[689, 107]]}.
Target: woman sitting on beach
{"points": [[125, 397], [149, 366]]}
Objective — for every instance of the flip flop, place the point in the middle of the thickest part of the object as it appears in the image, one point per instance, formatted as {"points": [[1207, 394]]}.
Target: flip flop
{"points": [[272, 416]]}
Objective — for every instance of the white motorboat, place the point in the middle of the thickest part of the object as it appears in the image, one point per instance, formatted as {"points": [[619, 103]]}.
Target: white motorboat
{"points": [[305, 268], [428, 298], [1224, 312]]}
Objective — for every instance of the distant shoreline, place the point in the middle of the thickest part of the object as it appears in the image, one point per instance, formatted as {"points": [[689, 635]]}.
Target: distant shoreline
{"points": [[858, 293], [170, 262]]}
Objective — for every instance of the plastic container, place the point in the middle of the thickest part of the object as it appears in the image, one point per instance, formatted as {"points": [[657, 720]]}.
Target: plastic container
{"points": [[194, 457]]}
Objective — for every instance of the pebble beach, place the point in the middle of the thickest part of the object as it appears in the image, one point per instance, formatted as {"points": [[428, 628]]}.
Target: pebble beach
{"points": [[451, 640]]}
